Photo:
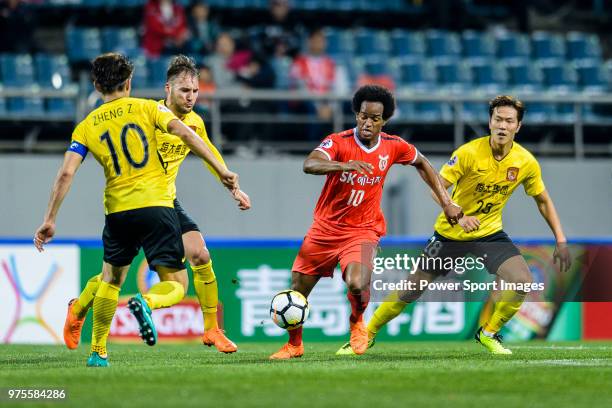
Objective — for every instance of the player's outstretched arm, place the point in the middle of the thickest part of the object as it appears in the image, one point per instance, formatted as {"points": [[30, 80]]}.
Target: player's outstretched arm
{"points": [[199, 148], [61, 186], [452, 211], [318, 163], [549, 212]]}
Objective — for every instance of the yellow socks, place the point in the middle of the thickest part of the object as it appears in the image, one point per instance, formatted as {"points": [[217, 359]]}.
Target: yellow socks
{"points": [[164, 294], [86, 297], [387, 311], [509, 303], [104, 305], [205, 284]]}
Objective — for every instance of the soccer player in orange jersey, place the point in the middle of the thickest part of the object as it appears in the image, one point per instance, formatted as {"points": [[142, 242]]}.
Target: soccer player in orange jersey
{"points": [[348, 221]]}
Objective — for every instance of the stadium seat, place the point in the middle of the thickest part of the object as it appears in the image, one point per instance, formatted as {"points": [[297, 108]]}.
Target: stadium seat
{"points": [[475, 112], [17, 70], [122, 40], [441, 43], [523, 77], [339, 42], [511, 45], [140, 77], [415, 75], [26, 107], [63, 107], [557, 76], [582, 46], [452, 76], [157, 71], [407, 43], [476, 44], [487, 76], [539, 112], [83, 44], [547, 46], [52, 71], [591, 76], [2, 107], [371, 42]]}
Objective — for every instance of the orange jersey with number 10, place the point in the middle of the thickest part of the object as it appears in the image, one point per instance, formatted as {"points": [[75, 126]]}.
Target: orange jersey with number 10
{"points": [[350, 200]]}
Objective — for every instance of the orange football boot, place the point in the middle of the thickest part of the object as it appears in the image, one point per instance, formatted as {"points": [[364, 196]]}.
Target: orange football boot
{"points": [[288, 351], [72, 327], [359, 337], [216, 337]]}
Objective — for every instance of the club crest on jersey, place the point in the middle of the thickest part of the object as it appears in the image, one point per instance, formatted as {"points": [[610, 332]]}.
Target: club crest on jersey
{"points": [[382, 162], [512, 173], [452, 161], [326, 144]]}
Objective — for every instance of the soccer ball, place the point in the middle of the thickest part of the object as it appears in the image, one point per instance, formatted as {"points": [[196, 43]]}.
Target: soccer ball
{"points": [[289, 309]]}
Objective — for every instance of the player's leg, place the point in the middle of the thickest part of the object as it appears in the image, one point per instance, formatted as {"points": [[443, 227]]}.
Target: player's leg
{"points": [[304, 284], [160, 235], [357, 277], [104, 306], [77, 311], [206, 288]]}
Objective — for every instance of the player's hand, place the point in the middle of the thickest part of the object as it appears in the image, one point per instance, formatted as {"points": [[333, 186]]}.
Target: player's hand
{"points": [[244, 201], [469, 223], [359, 166], [453, 213], [43, 235], [562, 255], [230, 180]]}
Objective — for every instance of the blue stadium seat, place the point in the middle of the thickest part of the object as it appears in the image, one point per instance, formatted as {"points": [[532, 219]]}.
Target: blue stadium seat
{"points": [[52, 71], [477, 44], [415, 75], [539, 112], [157, 71], [558, 76], [452, 76], [61, 107], [591, 76], [122, 40], [17, 70], [433, 111], [407, 43], [26, 107], [441, 43], [581, 45], [83, 44], [486, 75], [339, 42], [371, 42], [511, 45], [523, 77], [547, 46], [2, 107], [374, 65], [140, 77]]}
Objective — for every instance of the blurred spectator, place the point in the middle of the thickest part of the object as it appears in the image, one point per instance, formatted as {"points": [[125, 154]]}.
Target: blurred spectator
{"points": [[17, 26], [226, 61], [203, 30], [165, 28], [206, 85], [257, 74], [280, 33]]}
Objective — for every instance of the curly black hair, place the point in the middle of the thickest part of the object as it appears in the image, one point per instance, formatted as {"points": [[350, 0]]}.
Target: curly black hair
{"points": [[375, 93], [507, 100], [179, 65], [110, 71]]}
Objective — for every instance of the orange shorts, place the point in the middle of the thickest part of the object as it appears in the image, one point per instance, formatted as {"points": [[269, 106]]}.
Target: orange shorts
{"points": [[323, 249]]}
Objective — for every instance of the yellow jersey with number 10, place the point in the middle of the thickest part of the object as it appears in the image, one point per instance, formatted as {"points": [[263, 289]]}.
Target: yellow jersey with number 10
{"points": [[173, 151], [121, 136], [483, 185]]}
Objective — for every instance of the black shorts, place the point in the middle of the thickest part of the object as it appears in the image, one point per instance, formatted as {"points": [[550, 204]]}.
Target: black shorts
{"points": [[154, 229], [185, 221], [493, 250]]}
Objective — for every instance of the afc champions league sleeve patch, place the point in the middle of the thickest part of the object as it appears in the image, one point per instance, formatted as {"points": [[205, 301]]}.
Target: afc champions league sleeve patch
{"points": [[326, 144], [452, 161], [162, 108]]}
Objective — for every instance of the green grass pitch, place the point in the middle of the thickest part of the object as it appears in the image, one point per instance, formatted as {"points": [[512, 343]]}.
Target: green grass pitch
{"points": [[415, 374]]}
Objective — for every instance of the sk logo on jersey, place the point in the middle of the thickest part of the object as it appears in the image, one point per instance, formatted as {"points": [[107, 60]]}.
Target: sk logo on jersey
{"points": [[382, 162], [512, 173]]}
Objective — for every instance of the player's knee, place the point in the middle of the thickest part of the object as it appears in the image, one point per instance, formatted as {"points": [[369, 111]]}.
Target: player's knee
{"points": [[199, 257], [356, 287]]}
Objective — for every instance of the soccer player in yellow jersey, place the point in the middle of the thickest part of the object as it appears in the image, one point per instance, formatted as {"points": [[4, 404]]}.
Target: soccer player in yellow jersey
{"points": [[138, 203], [181, 96], [484, 173]]}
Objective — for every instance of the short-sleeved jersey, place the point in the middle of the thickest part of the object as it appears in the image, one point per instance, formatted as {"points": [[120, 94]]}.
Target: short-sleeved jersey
{"points": [[121, 136], [483, 185], [173, 151], [350, 200]]}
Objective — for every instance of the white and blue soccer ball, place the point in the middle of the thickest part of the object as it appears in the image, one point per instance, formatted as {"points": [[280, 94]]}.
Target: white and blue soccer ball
{"points": [[289, 309]]}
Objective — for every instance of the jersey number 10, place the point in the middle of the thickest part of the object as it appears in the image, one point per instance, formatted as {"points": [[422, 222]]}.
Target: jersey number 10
{"points": [[356, 197], [124, 146]]}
